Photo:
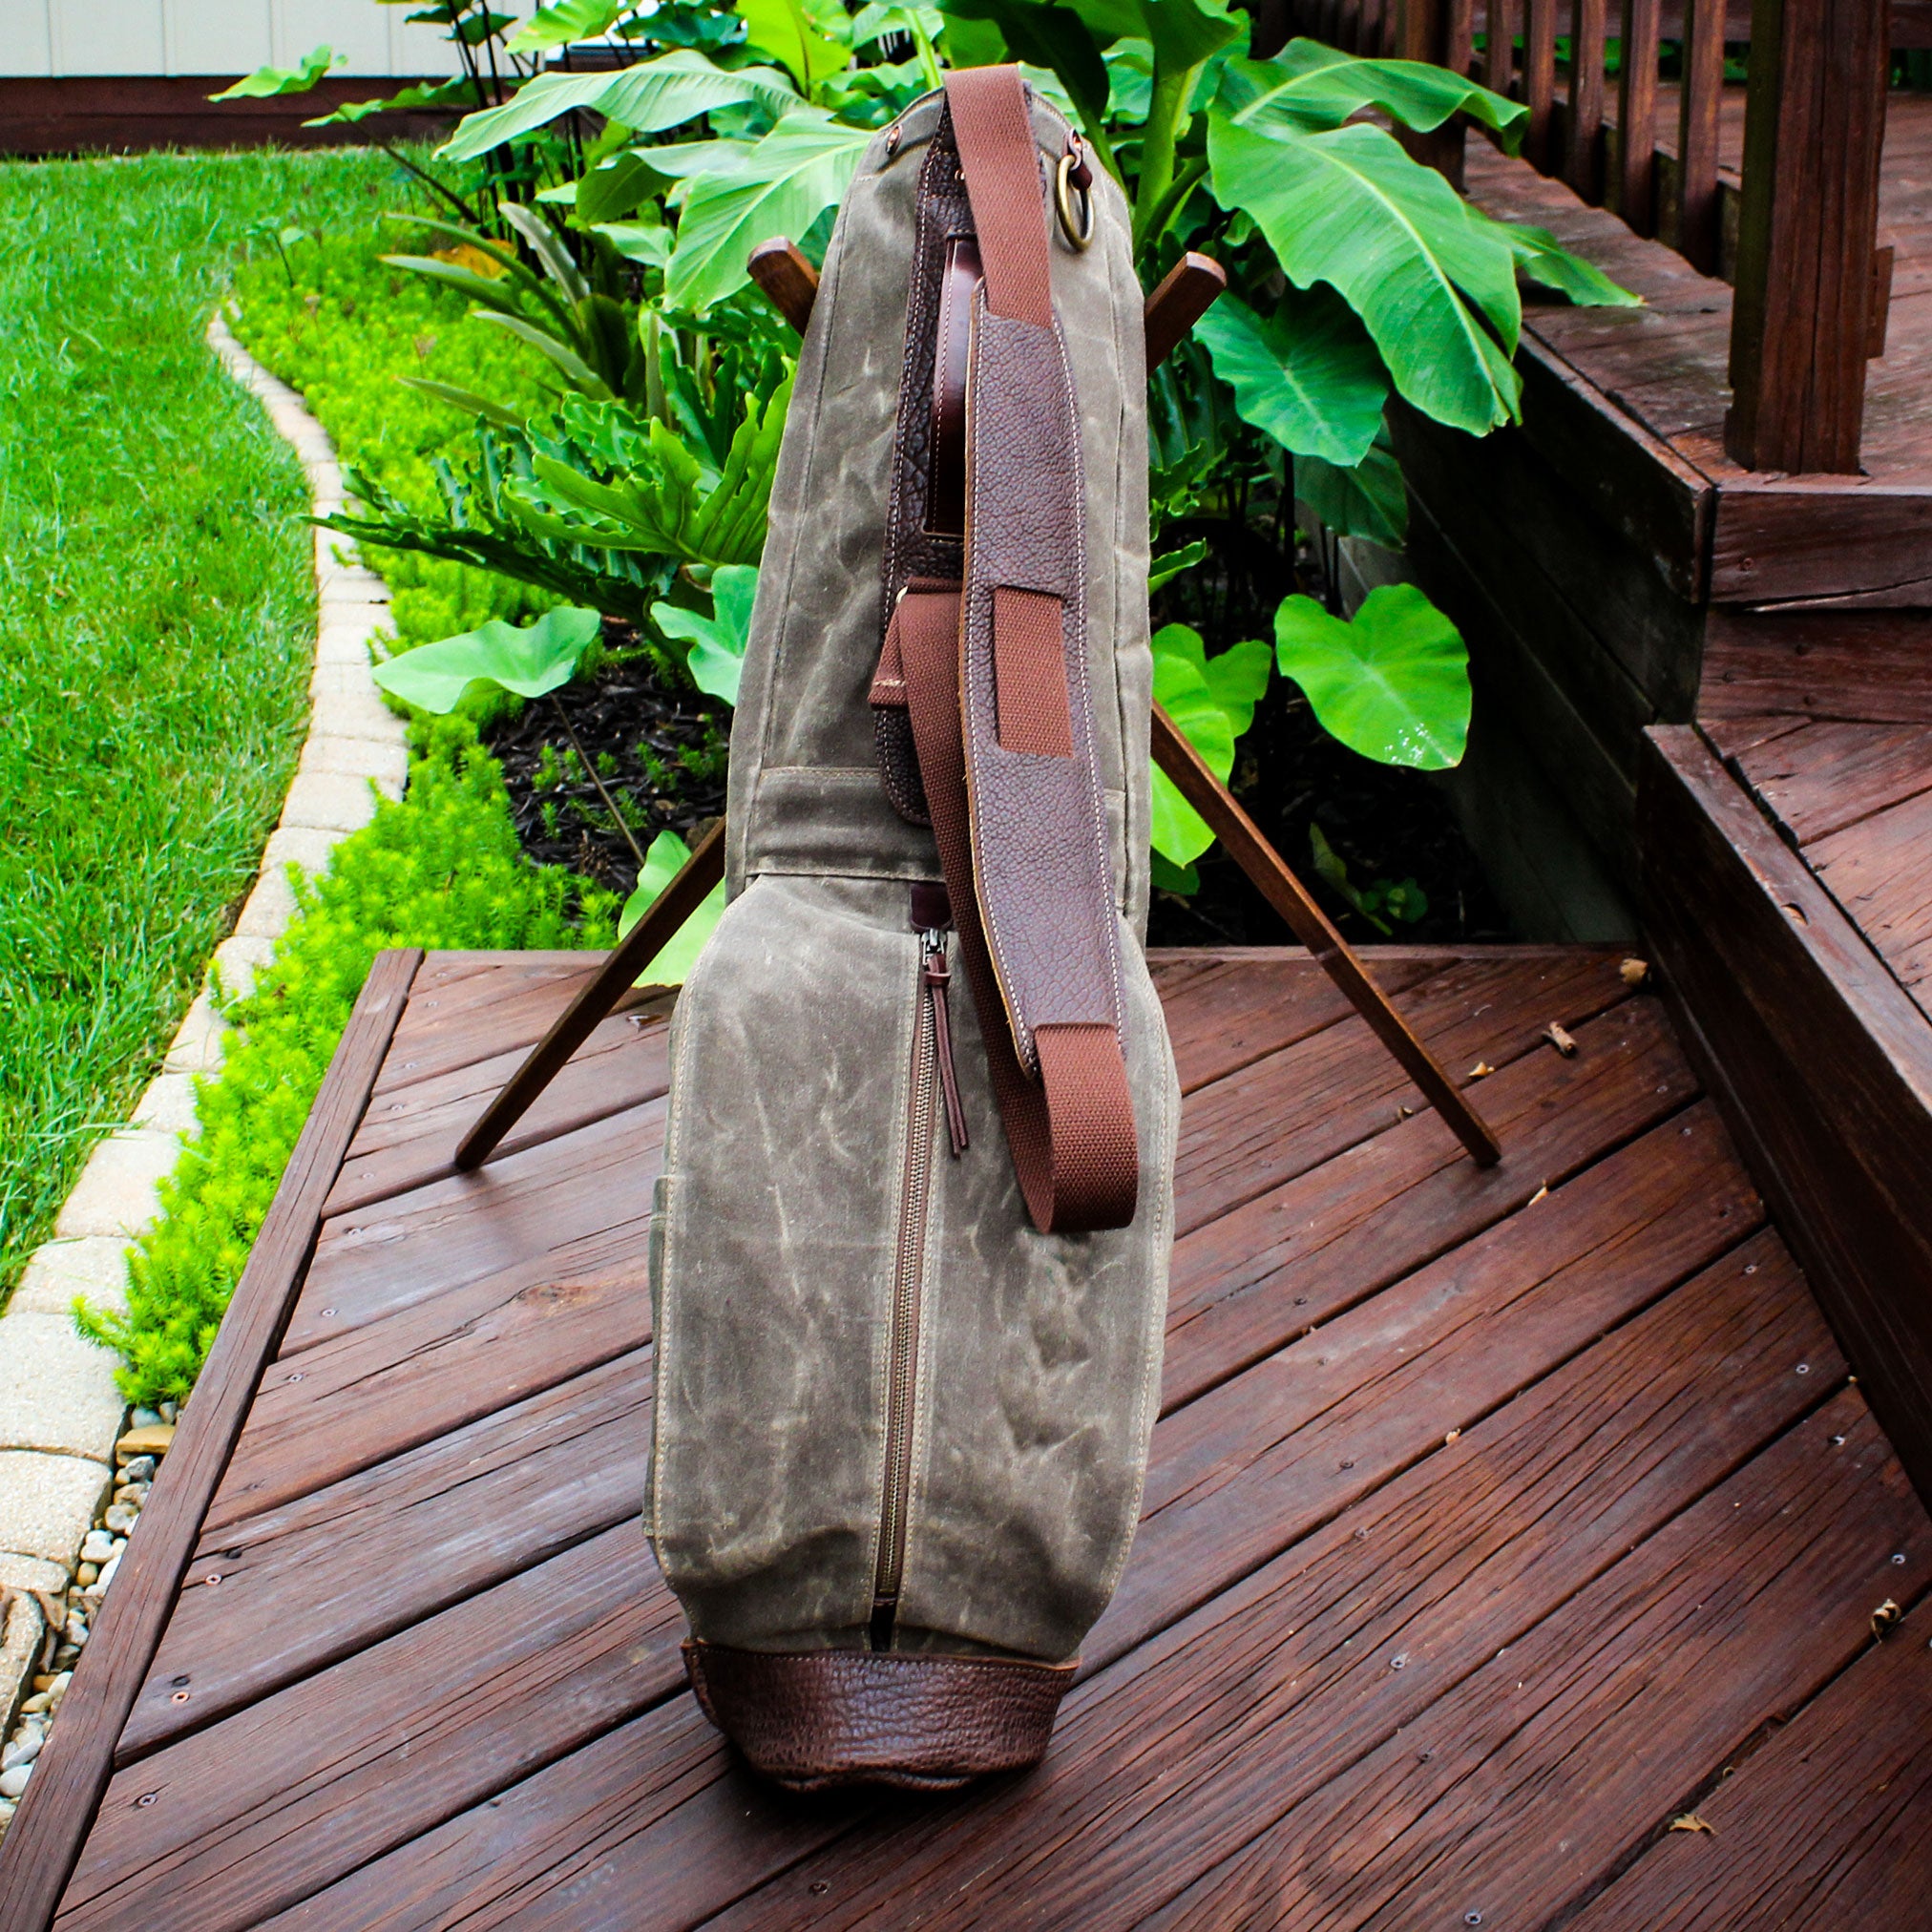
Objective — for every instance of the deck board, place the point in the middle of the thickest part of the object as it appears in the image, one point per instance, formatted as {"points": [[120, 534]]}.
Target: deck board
{"points": [[1413, 1410]]}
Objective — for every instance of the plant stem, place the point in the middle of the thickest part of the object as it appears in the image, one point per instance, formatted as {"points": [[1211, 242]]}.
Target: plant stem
{"points": [[583, 759], [929, 60], [423, 175], [1167, 110], [1184, 184]]}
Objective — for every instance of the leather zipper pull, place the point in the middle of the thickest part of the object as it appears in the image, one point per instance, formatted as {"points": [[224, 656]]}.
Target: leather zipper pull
{"points": [[939, 977]]}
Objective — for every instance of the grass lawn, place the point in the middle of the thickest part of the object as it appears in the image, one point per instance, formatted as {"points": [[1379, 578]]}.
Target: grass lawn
{"points": [[157, 609]]}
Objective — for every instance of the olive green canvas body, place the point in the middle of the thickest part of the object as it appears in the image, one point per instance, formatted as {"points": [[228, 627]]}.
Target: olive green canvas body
{"points": [[783, 1208]]}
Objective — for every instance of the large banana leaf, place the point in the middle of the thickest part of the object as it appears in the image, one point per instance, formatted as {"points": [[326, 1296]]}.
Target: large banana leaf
{"points": [[1543, 257], [1392, 684], [1349, 208], [1308, 87], [798, 171], [655, 94], [789, 31], [1307, 375]]}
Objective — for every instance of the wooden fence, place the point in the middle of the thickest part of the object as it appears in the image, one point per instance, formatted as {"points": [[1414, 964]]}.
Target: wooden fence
{"points": [[1811, 283]]}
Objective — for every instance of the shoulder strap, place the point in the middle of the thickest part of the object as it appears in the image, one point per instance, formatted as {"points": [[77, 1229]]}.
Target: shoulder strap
{"points": [[1004, 725]]}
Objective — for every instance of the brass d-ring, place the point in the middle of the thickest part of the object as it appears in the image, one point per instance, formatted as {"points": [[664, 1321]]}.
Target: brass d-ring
{"points": [[1080, 232]]}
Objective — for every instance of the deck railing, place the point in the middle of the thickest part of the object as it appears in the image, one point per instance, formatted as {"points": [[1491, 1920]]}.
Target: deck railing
{"points": [[1812, 284]]}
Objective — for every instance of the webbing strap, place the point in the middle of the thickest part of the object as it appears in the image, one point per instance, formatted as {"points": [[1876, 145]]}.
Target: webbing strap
{"points": [[1071, 1133], [994, 130]]}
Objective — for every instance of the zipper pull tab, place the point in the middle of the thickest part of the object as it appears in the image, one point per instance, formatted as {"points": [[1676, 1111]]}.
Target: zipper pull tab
{"points": [[937, 976]]}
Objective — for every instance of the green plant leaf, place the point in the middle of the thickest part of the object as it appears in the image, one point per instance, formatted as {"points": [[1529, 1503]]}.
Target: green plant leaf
{"points": [[1184, 32], [1543, 257], [1212, 701], [793, 33], [1165, 876], [529, 659], [1308, 375], [1392, 684], [637, 241], [1165, 569], [798, 171], [274, 81], [566, 20], [1349, 208], [655, 95], [716, 659], [1307, 86], [663, 863], [616, 188], [465, 400], [455, 92], [1329, 865], [1369, 500]]}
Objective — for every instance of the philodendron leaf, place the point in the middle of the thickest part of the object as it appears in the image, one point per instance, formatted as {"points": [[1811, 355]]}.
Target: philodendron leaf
{"points": [[1308, 87], [1349, 208], [798, 171], [563, 21], [716, 659], [1184, 32], [1308, 375], [1392, 684], [1369, 500], [1044, 35], [655, 95], [274, 81], [530, 659], [1543, 257], [1211, 701], [1167, 567], [663, 863]]}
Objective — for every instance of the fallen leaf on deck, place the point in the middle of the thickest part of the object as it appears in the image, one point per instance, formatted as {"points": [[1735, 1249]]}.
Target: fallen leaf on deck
{"points": [[1560, 1038], [1635, 972], [1541, 1194], [1691, 1822], [1884, 1617], [1482, 1070]]}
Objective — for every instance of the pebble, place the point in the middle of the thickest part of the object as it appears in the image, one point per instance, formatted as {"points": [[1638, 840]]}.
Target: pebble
{"points": [[120, 1516], [75, 1632], [6, 1810], [107, 1574], [41, 1700], [86, 1574], [170, 1411], [139, 1469], [98, 1547], [143, 1419], [22, 1750], [136, 1493], [14, 1782], [151, 1439]]}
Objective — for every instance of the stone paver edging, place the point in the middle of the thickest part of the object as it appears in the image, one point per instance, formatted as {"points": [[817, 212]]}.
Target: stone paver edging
{"points": [[60, 1412]]}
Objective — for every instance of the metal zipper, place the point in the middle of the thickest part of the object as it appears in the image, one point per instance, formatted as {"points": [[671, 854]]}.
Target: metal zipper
{"points": [[907, 1270]]}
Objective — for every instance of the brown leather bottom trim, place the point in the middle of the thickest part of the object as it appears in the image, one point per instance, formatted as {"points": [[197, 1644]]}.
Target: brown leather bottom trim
{"points": [[813, 1720]]}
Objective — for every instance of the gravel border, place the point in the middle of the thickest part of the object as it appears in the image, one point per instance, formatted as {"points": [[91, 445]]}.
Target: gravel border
{"points": [[62, 1421]]}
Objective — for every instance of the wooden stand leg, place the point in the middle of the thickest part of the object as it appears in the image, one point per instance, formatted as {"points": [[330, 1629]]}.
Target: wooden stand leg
{"points": [[1312, 926], [595, 998]]}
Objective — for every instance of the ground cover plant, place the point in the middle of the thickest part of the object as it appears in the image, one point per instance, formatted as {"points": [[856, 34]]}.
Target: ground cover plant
{"points": [[157, 609]]}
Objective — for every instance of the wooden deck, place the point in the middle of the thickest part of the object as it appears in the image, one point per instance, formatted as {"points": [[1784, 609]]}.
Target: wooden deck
{"points": [[1495, 1520]]}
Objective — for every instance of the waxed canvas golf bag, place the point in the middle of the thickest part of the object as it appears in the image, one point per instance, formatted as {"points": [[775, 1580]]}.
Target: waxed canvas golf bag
{"points": [[910, 1246]]}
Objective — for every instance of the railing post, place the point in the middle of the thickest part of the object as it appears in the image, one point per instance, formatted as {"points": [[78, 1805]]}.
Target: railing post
{"points": [[1538, 79], [1584, 167], [1815, 129], [1636, 118], [1700, 212], [1436, 31]]}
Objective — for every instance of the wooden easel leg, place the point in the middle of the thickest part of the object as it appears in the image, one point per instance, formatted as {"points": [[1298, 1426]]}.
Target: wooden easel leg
{"points": [[595, 998], [1312, 926]]}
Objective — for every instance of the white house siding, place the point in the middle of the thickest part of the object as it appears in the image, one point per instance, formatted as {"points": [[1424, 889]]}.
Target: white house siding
{"points": [[64, 37]]}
